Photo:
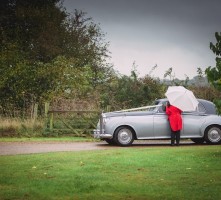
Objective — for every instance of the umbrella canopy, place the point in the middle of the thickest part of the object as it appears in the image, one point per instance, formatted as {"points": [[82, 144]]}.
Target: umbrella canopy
{"points": [[182, 98]]}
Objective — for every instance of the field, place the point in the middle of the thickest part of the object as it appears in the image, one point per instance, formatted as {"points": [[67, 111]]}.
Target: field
{"points": [[192, 172]]}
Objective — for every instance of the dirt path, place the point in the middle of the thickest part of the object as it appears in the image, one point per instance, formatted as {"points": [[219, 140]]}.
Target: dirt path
{"points": [[14, 148]]}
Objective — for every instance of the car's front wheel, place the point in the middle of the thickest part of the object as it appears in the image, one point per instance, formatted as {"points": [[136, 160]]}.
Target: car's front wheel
{"points": [[124, 136], [213, 135]]}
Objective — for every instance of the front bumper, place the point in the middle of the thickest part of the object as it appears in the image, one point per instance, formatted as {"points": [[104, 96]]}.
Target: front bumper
{"points": [[99, 135]]}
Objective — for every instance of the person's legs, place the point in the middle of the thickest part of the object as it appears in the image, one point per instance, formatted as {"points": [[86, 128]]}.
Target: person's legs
{"points": [[173, 134], [177, 138]]}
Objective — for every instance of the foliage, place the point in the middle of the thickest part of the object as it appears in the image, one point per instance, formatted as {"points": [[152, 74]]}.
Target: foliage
{"points": [[192, 172], [70, 124], [169, 73], [173, 80], [35, 26], [205, 92], [47, 52], [214, 73], [200, 72], [131, 91]]}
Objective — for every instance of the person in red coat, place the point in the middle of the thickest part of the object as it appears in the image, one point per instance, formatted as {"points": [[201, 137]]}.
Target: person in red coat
{"points": [[176, 123]]}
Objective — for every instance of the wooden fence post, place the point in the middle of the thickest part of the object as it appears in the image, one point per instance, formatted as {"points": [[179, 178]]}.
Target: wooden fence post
{"points": [[108, 108], [46, 109], [51, 121], [35, 111]]}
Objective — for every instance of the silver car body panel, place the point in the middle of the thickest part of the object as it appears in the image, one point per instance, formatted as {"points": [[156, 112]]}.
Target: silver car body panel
{"points": [[154, 124]]}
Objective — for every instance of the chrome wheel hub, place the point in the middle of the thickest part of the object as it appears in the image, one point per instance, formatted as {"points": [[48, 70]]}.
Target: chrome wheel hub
{"points": [[125, 136], [214, 135]]}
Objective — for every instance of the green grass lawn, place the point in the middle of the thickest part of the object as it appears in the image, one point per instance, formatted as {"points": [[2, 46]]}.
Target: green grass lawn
{"points": [[192, 172]]}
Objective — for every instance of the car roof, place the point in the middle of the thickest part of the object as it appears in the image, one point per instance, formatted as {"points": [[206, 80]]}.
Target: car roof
{"points": [[208, 105]]}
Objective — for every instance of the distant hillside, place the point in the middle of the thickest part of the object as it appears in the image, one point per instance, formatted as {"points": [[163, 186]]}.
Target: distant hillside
{"points": [[196, 81]]}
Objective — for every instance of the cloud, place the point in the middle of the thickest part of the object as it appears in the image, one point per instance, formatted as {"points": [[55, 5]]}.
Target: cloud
{"points": [[169, 33]]}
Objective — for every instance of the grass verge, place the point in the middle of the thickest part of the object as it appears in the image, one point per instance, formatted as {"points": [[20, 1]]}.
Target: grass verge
{"points": [[126, 173], [30, 128], [16, 127], [47, 139]]}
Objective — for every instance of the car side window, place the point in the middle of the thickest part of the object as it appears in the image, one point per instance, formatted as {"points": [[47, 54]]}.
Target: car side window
{"points": [[162, 109], [201, 108]]}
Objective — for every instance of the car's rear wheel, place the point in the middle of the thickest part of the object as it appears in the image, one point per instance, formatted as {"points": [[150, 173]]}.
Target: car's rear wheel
{"points": [[198, 140], [124, 136], [213, 135]]}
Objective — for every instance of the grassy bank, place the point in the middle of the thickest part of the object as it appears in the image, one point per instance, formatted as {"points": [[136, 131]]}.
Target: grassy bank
{"points": [[16, 127], [126, 173], [47, 139]]}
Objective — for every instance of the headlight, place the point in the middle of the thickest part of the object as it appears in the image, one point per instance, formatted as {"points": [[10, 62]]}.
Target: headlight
{"points": [[104, 121]]}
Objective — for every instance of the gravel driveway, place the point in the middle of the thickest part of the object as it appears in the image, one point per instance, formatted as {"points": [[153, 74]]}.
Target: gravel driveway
{"points": [[14, 148]]}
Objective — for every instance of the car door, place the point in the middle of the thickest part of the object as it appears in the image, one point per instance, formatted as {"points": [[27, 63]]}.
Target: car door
{"points": [[161, 126], [192, 122], [142, 125]]}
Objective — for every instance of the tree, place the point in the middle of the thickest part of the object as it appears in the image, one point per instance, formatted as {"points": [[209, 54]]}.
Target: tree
{"points": [[85, 43], [46, 52], [169, 73], [214, 73], [36, 26], [200, 72], [31, 37]]}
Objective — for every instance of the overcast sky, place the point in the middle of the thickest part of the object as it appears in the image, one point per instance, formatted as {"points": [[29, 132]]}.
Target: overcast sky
{"points": [[169, 33]]}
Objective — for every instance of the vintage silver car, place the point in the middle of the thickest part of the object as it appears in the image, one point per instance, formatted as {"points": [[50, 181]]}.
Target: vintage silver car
{"points": [[123, 127]]}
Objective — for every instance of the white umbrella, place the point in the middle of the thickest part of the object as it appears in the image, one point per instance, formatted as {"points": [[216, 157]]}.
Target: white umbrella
{"points": [[182, 98]]}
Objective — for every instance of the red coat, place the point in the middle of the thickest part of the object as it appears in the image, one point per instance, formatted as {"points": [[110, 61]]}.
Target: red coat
{"points": [[174, 116]]}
